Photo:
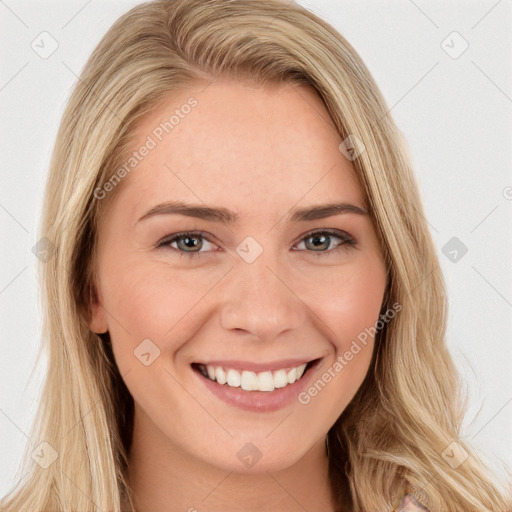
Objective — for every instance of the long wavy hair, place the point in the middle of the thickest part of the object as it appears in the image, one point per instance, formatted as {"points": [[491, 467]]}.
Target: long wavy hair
{"points": [[410, 407]]}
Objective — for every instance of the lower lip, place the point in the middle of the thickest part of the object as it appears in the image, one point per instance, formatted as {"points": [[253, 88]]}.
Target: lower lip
{"points": [[259, 401]]}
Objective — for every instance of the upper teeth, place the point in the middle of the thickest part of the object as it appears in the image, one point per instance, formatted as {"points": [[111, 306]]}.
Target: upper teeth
{"points": [[252, 381]]}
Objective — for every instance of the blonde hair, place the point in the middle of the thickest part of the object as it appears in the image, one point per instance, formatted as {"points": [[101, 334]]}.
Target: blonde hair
{"points": [[409, 408]]}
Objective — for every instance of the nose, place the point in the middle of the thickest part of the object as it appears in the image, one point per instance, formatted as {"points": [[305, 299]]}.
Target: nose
{"points": [[260, 300]]}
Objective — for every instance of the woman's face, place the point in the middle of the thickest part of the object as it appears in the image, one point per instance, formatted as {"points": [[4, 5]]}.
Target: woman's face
{"points": [[271, 280]]}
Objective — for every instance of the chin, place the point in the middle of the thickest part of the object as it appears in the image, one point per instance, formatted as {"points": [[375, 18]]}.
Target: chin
{"points": [[257, 456]]}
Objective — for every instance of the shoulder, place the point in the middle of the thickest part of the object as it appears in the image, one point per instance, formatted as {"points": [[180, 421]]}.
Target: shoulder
{"points": [[409, 503]]}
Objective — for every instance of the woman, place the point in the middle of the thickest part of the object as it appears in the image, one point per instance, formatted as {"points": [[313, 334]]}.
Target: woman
{"points": [[244, 310]]}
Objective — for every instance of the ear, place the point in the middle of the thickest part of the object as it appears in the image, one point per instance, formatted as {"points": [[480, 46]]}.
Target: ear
{"points": [[97, 317]]}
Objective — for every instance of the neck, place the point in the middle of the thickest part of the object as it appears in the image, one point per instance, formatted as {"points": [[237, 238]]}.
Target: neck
{"points": [[164, 478]]}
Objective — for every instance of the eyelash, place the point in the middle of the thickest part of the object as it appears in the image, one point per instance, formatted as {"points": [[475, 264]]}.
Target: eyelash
{"points": [[347, 242]]}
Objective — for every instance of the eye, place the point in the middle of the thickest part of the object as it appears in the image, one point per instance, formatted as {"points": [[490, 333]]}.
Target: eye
{"points": [[189, 242], [321, 241]]}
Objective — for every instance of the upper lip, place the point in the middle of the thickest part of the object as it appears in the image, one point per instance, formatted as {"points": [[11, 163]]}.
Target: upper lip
{"points": [[257, 367]]}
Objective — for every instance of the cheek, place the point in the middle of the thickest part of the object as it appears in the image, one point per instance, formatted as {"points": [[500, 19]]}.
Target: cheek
{"points": [[152, 311], [349, 302], [148, 300]]}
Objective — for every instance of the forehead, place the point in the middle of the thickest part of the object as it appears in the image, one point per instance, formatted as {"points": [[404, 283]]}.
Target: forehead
{"points": [[249, 147]]}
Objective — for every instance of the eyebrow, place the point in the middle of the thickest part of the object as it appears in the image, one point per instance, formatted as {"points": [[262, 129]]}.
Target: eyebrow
{"points": [[220, 214]]}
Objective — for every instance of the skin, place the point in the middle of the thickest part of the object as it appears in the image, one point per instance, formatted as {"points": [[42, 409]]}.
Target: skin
{"points": [[262, 153]]}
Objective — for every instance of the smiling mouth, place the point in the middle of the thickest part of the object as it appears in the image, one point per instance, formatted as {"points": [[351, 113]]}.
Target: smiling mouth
{"points": [[254, 381]]}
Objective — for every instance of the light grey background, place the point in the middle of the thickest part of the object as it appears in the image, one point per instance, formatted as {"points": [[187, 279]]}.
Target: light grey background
{"points": [[455, 111]]}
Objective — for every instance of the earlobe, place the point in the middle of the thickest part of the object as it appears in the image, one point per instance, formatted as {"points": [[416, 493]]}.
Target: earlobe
{"points": [[97, 317]]}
